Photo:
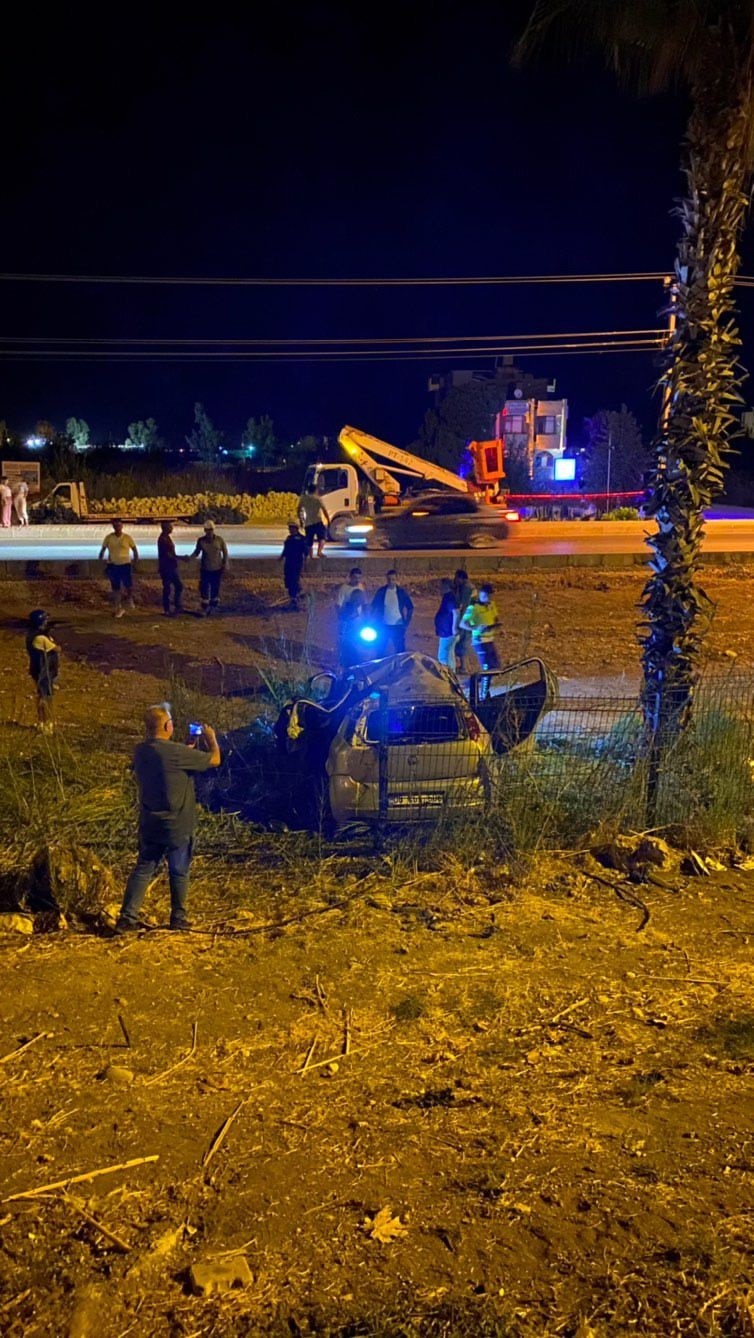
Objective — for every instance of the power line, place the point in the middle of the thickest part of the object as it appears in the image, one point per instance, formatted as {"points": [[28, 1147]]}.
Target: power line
{"points": [[156, 356], [429, 282], [96, 340]]}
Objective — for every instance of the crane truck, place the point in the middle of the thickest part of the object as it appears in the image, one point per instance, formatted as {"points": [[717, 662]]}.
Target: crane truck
{"points": [[341, 486]]}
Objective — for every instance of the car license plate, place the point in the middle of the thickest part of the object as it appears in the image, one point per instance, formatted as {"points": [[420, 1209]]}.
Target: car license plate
{"points": [[415, 801]]}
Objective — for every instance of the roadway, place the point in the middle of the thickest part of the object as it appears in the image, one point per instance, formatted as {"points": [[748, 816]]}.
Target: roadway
{"points": [[532, 539]]}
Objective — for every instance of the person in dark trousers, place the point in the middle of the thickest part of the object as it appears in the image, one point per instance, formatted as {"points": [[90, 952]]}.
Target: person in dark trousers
{"points": [[165, 772], [392, 611], [213, 552], [167, 565], [293, 557], [482, 620], [44, 666], [351, 619]]}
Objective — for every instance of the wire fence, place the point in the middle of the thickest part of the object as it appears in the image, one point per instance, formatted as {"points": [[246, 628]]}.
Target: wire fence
{"points": [[555, 771]]}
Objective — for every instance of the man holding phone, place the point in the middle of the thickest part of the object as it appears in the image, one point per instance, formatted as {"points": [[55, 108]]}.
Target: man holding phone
{"points": [[165, 772]]}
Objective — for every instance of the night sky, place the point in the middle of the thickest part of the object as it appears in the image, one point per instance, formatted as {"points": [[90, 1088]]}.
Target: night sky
{"points": [[321, 141]]}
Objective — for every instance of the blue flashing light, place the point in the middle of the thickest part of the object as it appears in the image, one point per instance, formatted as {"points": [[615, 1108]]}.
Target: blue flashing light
{"points": [[369, 635]]}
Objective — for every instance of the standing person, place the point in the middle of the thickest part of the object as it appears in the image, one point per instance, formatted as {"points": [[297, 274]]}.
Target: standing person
{"points": [[446, 625], [167, 565], [120, 548], [6, 503], [482, 620], [212, 551], [19, 501], [293, 557], [343, 596], [313, 516], [351, 619], [464, 592], [344, 591], [44, 666], [392, 610], [164, 773]]}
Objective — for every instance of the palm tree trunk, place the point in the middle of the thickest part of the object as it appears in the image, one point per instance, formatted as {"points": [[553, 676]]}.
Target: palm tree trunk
{"points": [[700, 388]]}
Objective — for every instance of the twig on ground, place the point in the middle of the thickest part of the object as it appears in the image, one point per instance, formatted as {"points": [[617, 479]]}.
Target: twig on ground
{"points": [[221, 1135], [333, 1059], [124, 1029], [687, 980], [12, 1054], [321, 995], [309, 1054], [15, 1300], [158, 1077], [79, 1179], [565, 1011], [114, 1239], [346, 1030], [623, 893]]}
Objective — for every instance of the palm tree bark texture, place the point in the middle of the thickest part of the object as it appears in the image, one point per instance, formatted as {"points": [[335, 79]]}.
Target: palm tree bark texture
{"points": [[708, 47]]}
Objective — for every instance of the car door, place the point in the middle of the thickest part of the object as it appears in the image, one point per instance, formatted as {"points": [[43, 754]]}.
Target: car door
{"points": [[415, 526], [455, 514]]}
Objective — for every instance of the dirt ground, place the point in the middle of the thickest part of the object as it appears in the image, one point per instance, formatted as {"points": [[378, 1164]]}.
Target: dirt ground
{"points": [[418, 1097]]}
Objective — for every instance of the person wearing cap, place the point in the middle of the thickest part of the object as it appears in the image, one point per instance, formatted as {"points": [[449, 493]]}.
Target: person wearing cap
{"points": [[164, 772], [293, 557], [212, 551], [120, 552], [44, 666]]}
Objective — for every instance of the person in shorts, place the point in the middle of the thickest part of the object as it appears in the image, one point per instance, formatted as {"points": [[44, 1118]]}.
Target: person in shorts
{"points": [[119, 553], [313, 515], [44, 666]]}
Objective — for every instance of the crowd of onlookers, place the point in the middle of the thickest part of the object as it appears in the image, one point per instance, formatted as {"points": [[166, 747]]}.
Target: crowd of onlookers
{"points": [[368, 628]]}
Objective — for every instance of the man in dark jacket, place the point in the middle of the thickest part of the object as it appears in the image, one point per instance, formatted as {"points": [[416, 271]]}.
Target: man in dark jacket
{"points": [[167, 565], [392, 611], [165, 772]]}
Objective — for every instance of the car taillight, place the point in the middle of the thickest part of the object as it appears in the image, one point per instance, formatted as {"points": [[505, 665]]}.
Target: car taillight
{"points": [[512, 515], [472, 726]]}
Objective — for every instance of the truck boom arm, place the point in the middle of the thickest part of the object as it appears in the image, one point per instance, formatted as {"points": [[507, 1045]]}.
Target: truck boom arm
{"points": [[362, 449]]}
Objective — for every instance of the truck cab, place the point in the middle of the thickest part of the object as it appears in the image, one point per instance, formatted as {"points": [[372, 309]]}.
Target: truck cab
{"points": [[338, 487]]}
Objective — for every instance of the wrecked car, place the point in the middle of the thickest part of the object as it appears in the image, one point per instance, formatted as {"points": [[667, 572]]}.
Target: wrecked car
{"points": [[396, 740]]}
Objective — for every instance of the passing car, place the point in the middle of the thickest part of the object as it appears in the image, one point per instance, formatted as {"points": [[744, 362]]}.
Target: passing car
{"points": [[396, 740], [433, 520]]}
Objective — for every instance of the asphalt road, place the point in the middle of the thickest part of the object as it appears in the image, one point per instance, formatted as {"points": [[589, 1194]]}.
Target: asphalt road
{"points": [[77, 543]]}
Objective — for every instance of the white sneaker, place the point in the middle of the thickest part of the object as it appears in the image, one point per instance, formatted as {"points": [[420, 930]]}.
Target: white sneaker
{"points": [[119, 613]]}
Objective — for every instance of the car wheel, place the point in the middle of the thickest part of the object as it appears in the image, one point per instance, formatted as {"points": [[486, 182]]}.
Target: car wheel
{"points": [[481, 539]]}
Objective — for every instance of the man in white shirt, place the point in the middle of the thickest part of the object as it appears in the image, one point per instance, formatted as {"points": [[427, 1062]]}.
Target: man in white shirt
{"points": [[121, 554], [392, 610], [313, 515], [344, 591], [19, 501]]}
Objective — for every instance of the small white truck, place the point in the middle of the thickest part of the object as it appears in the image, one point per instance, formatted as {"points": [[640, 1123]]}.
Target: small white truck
{"points": [[71, 498]]}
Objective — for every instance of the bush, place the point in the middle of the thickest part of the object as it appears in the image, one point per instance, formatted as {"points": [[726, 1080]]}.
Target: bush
{"points": [[622, 513], [240, 508]]}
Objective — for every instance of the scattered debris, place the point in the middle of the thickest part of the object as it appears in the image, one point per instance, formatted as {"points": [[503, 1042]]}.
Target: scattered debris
{"points": [[220, 1275], [384, 1227]]}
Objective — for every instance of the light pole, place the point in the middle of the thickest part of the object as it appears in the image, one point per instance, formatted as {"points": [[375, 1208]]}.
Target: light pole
{"points": [[609, 464]]}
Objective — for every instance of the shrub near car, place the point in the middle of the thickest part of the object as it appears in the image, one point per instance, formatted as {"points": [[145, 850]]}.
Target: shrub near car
{"points": [[433, 520]]}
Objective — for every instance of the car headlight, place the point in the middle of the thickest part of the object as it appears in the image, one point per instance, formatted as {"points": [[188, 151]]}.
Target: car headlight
{"points": [[359, 529]]}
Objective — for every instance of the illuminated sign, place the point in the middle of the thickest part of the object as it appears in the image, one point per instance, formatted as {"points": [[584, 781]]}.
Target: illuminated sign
{"points": [[565, 469]]}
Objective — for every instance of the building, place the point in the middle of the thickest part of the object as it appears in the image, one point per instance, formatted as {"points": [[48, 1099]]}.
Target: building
{"points": [[533, 431], [531, 423]]}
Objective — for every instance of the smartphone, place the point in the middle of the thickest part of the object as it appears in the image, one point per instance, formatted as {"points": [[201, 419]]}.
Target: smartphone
{"points": [[195, 731]]}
